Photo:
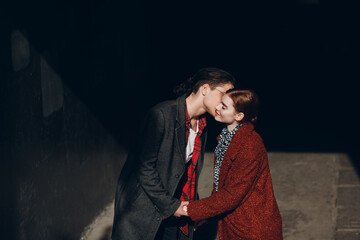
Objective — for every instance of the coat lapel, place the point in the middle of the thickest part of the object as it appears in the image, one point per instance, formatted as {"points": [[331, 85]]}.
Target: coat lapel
{"points": [[236, 144], [180, 128]]}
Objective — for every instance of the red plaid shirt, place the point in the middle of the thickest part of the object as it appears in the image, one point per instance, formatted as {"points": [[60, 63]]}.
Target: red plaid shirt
{"points": [[188, 180]]}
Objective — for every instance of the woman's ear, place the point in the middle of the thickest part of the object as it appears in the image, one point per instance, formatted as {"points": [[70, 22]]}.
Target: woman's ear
{"points": [[239, 116]]}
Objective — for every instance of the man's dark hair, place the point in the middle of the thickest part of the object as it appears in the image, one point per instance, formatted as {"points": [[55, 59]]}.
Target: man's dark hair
{"points": [[212, 76]]}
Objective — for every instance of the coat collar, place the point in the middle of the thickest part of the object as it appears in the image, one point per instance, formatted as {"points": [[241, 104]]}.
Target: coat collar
{"points": [[181, 105], [181, 125], [237, 142]]}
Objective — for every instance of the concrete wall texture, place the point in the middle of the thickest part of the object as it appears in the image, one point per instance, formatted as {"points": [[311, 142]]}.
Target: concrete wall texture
{"points": [[59, 164]]}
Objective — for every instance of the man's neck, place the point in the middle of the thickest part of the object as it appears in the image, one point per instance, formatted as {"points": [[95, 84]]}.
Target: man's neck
{"points": [[195, 106]]}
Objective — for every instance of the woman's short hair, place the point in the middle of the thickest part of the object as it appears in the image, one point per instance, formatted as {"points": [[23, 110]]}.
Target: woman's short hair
{"points": [[247, 102], [212, 76]]}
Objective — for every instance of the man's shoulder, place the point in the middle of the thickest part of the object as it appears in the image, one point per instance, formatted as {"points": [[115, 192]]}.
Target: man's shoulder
{"points": [[168, 105], [165, 105]]}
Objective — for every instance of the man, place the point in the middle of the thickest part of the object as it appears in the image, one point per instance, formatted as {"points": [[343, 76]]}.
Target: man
{"points": [[161, 173]]}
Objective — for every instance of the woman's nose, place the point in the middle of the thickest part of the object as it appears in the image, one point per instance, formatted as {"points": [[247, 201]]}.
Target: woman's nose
{"points": [[218, 107]]}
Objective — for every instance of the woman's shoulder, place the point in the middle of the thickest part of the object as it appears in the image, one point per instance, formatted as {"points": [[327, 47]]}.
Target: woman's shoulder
{"points": [[255, 139], [247, 139], [248, 131]]}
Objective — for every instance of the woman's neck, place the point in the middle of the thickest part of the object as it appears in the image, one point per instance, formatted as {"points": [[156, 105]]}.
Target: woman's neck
{"points": [[231, 126]]}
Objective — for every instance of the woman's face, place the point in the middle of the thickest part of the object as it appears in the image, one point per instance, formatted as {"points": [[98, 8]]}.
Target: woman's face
{"points": [[225, 111], [214, 97]]}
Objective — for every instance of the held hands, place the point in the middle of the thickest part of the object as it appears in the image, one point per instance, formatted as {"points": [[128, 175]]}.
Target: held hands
{"points": [[182, 210]]}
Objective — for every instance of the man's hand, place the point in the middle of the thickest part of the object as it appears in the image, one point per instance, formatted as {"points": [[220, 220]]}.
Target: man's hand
{"points": [[181, 211]]}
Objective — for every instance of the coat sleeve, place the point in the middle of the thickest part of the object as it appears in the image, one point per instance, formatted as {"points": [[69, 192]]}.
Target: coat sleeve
{"points": [[147, 174], [239, 182]]}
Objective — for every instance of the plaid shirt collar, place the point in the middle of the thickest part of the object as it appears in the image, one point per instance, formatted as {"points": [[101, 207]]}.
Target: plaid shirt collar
{"points": [[202, 124]]}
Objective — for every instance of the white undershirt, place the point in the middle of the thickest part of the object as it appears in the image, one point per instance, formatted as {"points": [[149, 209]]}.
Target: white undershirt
{"points": [[190, 142]]}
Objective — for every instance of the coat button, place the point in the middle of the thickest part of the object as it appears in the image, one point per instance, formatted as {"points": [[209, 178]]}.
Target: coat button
{"points": [[177, 175], [157, 219]]}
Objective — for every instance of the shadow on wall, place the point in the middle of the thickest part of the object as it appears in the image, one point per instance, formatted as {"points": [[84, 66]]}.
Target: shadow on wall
{"points": [[62, 164], [354, 156], [107, 234]]}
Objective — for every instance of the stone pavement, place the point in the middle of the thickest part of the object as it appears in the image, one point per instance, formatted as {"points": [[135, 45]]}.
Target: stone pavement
{"points": [[318, 195]]}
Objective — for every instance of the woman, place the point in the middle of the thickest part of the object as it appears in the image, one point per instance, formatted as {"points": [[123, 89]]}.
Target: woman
{"points": [[242, 199]]}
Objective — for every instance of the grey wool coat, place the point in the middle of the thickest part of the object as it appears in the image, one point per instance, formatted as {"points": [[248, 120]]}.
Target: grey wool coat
{"points": [[152, 172]]}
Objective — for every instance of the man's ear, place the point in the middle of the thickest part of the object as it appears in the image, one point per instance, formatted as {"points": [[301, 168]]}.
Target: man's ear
{"points": [[204, 89], [239, 116]]}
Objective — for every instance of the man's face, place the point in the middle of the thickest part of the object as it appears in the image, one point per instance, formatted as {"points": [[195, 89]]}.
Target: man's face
{"points": [[214, 96]]}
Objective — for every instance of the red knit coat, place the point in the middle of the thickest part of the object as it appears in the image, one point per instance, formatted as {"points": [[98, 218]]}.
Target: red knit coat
{"points": [[245, 197]]}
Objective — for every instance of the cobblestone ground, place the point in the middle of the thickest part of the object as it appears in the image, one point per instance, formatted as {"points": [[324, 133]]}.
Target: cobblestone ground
{"points": [[318, 195]]}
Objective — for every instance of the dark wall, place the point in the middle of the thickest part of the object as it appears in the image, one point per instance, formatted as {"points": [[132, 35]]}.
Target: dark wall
{"points": [[59, 164]]}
